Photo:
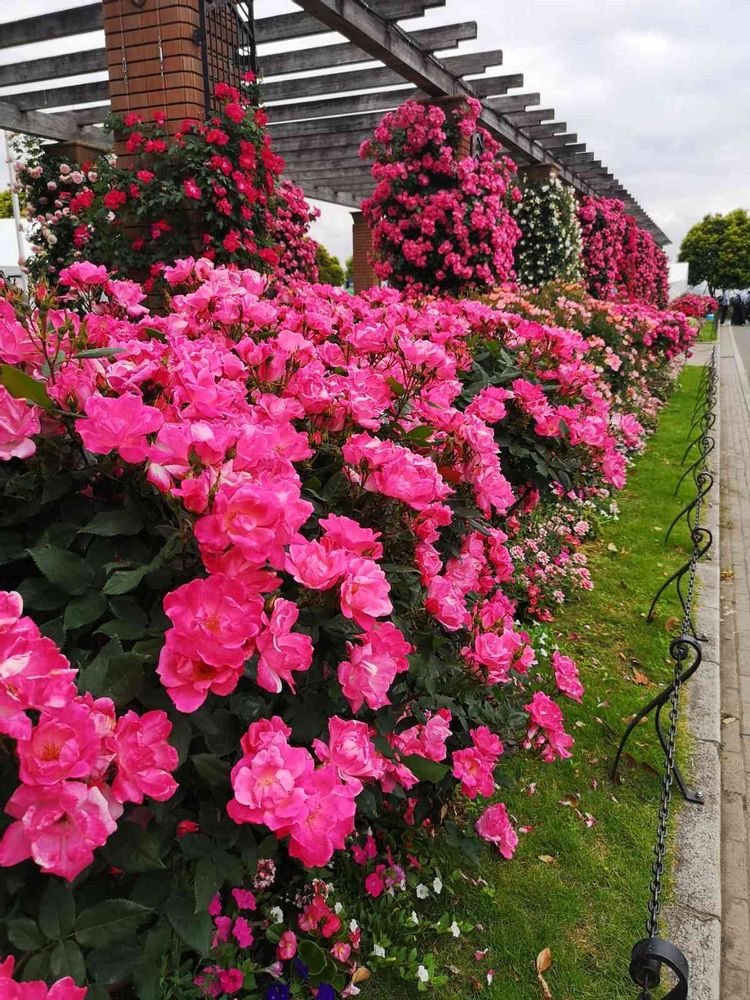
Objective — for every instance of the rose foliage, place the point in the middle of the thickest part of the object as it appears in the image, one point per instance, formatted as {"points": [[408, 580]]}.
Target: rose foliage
{"points": [[272, 564], [440, 219], [214, 190], [695, 306]]}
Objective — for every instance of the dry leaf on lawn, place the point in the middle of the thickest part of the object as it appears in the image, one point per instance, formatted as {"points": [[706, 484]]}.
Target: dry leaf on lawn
{"points": [[547, 859], [640, 678], [543, 963]]}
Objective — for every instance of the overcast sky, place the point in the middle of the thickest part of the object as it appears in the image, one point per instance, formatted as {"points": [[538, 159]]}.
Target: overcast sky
{"points": [[658, 89]]}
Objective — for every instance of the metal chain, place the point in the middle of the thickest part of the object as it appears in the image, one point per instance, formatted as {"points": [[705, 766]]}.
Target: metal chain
{"points": [[679, 651]]}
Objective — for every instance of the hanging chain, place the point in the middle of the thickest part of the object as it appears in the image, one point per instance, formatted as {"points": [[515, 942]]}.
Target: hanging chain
{"points": [[160, 48], [124, 62]]}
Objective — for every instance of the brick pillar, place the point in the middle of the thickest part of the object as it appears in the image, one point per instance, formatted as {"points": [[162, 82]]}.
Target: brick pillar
{"points": [[74, 152], [362, 269], [163, 67], [539, 172]]}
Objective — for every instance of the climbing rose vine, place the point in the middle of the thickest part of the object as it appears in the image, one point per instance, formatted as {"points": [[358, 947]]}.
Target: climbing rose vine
{"points": [[273, 564], [440, 219], [214, 190], [549, 247]]}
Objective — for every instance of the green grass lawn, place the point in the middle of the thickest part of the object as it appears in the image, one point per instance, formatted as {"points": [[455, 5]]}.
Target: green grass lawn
{"points": [[707, 332], [586, 900]]}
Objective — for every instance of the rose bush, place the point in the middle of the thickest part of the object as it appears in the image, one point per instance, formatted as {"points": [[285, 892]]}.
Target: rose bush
{"points": [[440, 219], [214, 190], [268, 561], [694, 306], [549, 247]]}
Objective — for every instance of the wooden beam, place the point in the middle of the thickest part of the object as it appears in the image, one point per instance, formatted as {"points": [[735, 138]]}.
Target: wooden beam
{"points": [[344, 53], [49, 27], [474, 62], [50, 126], [575, 159], [322, 126], [333, 142], [85, 116], [58, 97], [491, 85], [294, 88], [347, 199], [521, 118], [298, 24], [518, 102], [53, 67]]}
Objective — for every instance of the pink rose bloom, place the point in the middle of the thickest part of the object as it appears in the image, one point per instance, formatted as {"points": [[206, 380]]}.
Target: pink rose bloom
{"points": [[18, 422], [286, 949], [566, 676], [495, 827], [269, 787], [327, 819], [341, 951], [58, 827], [63, 989], [119, 423], [244, 899], [63, 745], [242, 932], [11, 608], [33, 675], [315, 566], [188, 680], [372, 666], [544, 711], [230, 980], [344, 533], [83, 275], [214, 619], [364, 592], [282, 652], [350, 749], [144, 758], [445, 601], [496, 653]]}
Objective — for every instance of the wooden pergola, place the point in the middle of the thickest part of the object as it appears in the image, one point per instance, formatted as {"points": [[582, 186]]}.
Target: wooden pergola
{"points": [[322, 100]]}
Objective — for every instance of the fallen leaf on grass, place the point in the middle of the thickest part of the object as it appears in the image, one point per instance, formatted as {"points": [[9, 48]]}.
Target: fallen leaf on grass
{"points": [[612, 547], [543, 963], [671, 623], [640, 678], [547, 859], [570, 800], [361, 975]]}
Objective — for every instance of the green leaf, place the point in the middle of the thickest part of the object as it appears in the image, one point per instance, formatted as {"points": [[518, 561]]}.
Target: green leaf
{"points": [[57, 910], [98, 352], [114, 963], [39, 595], [125, 580], [117, 676], [207, 882], [11, 547], [213, 770], [37, 967], [424, 769], [25, 934], [396, 386], [114, 522], [23, 386], [64, 570], [84, 610], [67, 960], [119, 628], [133, 849], [147, 973], [109, 922], [194, 929], [313, 957]]}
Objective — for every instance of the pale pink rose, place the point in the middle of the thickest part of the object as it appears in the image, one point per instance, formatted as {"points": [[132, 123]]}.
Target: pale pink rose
{"points": [[345, 533], [83, 274], [327, 819], [372, 665], [566, 676], [315, 566], [281, 651], [18, 423], [143, 757], [494, 826], [364, 592], [350, 749]]}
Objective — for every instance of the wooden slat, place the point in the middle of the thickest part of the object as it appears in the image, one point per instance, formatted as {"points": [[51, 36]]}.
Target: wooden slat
{"points": [[322, 126], [491, 85], [381, 101], [343, 53], [504, 105], [542, 131], [49, 27], [575, 159], [556, 141], [521, 118], [58, 97], [53, 67], [331, 83], [85, 116], [50, 126], [474, 62]]}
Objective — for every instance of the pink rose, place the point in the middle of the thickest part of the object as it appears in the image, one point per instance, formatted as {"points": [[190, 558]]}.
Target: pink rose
{"points": [[119, 423], [18, 422]]}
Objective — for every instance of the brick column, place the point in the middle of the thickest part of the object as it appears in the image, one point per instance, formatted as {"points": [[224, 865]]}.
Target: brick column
{"points": [[362, 269], [162, 70], [539, 172]]}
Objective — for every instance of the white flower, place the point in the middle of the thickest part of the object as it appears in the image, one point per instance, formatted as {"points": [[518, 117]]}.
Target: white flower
{"points": [[455, 929], [422, 974], [353, 926], [437, 885], [338, 907], [422, 891], [414, 918], [278, 914], [378, 950]]}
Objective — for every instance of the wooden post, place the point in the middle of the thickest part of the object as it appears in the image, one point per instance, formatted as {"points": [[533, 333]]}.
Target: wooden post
{"points": [[154, 60], [362, 269]]}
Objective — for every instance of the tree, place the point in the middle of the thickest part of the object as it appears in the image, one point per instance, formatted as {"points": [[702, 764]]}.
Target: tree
{"points": [[330, 271], [717, 251]]}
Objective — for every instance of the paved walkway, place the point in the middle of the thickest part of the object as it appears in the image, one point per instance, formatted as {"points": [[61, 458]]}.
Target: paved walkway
{"points": [[735, 661]]}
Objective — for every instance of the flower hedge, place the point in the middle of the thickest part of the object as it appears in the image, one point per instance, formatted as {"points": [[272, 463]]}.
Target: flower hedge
{"points": [[695, 306], [273, 566], [440, 219], [549, 247], [213, 190], [620, 260]]}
